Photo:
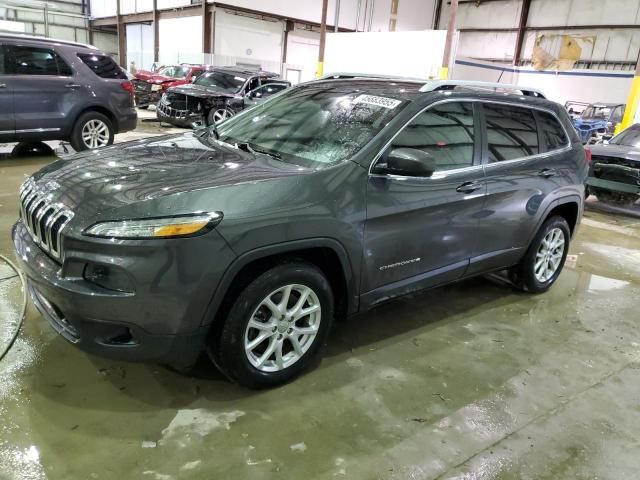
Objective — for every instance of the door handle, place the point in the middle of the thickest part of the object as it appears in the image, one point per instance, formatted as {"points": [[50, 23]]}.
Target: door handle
{"points": [[468, 187], [547, 172], [72, 85]]}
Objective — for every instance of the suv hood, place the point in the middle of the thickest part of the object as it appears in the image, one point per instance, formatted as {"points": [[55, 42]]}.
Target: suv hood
{"points": [[200, 91], [160, 176]]}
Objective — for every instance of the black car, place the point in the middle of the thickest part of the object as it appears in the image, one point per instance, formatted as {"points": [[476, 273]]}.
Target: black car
{"points": [[217, 95], [614, 176], [57, 90], [249, 238]]}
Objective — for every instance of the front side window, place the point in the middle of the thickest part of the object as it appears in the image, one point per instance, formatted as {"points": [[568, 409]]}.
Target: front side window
{"points": [[38, 61], [553, 135], [224, 81], [267, 90], [511, 132], [445, 131], [313, 125], [103, 66]]}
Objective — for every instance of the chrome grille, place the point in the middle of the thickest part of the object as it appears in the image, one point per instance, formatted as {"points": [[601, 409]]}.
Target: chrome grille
{"points": [[44, 219]]}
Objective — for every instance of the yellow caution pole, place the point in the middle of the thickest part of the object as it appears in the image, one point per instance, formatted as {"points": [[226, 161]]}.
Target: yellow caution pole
{"points": [[632, 103], [323, 38]]}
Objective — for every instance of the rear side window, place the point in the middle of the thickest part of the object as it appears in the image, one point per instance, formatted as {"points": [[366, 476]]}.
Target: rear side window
{"points": [[38, 61], [445, 131], [553, 135], [511, 132], [3, 57], [102, 65]]}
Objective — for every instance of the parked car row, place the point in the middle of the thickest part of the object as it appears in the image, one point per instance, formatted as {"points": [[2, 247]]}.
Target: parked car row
{"points": [[595, 122]]}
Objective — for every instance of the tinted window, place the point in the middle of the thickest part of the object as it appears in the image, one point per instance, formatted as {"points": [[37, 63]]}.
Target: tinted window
{"points": [[3, 56], [38, 61], [630, 137], [445, 131], [102, 65], [553, 134], [511, 132], [268, 90]]}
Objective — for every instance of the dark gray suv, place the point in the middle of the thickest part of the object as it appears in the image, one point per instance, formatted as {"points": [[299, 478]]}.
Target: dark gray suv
{"points": [[56, 90], [248, 239]]}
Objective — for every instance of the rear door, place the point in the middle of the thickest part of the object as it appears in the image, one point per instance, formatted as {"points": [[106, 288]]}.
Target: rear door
{"points": [[7, 119], [523, 173], [43, 87], [421, 231]]}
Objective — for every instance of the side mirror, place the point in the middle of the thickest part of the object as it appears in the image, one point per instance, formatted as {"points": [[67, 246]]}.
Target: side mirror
{"points": [[410, 162]]}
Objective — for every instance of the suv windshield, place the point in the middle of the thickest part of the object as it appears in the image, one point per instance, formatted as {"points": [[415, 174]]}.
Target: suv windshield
{"points": [[602, 113], [225, 81], [314, 125], [630, 137], [174, 72]]}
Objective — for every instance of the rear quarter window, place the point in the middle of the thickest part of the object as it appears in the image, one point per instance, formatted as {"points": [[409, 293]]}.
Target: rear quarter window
{"points": [[102, 65], [553, 135]]}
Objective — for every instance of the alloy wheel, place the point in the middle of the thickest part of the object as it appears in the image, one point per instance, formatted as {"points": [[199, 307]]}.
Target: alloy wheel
{"points": [[283, 328], [221, 115], [95, 133], [549, 255]]}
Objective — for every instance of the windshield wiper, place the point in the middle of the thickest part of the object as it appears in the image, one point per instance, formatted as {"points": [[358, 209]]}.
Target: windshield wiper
{"points": [[251, 148]]}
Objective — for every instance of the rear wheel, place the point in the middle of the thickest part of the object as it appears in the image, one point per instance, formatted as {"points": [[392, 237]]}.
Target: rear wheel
{"points": [[276, 326], [545, 257], [91, 130]]}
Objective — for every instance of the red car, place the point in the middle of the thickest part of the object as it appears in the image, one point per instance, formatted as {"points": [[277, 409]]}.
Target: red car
{"points": [[149, 86]]}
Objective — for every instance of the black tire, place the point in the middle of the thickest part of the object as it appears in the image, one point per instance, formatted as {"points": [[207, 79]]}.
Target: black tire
{"points": [[619, 199], [143, 107], [227, 347], [76, 140], [523, 275]]}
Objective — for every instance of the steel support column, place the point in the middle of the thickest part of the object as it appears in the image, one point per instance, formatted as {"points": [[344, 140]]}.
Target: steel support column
{"points": [[323, 37], [448, 46], [122, 38], [522, 29]]}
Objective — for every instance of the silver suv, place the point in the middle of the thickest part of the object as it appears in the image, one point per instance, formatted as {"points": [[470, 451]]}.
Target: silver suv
{"points": [[56, 90]]}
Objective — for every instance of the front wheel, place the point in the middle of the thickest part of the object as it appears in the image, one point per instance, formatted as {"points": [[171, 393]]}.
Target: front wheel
{"points": [[91, 130], [217, 115], [545, 257], [276, 326]]}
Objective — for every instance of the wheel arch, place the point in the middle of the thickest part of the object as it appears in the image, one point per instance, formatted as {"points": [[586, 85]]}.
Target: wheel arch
{"points": [[100, 109], [327, 254], [569, 207]]}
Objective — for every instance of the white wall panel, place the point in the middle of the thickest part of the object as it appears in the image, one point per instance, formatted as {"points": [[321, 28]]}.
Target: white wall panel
{"points": [[415, 14], [302, 52], [488, 15], [248, 37], [180, 40], [136, 6], [493, 45], [140, 45], [103, 8], [309, 10], [544, 13]]}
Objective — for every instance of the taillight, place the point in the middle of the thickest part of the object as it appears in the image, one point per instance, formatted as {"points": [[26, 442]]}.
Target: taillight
{"points": [[588, 149], [128, 86]]}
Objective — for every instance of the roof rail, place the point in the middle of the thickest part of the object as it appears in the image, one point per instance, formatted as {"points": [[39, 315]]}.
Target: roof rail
{"points": [[440, 85], [372, 76], [22, 36]]}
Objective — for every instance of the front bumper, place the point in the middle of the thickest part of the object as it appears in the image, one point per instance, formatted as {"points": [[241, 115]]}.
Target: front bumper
{"points": [[179, 118], [159, 322], [615, 177]]}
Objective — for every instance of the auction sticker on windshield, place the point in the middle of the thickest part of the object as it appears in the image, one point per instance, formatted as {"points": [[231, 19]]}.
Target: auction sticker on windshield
{"points": [[384, 102]]}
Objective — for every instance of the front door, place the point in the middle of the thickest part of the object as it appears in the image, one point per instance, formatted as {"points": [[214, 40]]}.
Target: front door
{"points": [[44, 89], [7, 120], [420, 231], [522, 172]]}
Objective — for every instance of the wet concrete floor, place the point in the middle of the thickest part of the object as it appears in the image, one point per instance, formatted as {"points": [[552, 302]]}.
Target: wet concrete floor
{"points": [[470, 381]]}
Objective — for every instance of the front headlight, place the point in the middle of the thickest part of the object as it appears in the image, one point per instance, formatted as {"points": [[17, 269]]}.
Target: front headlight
{"points": [[155, 88], [163, 227]]}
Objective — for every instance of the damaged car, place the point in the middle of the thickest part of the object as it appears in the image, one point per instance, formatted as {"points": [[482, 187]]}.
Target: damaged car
{"points": [[598, 121], [149, 86], [217, 95], [614, 176]]}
